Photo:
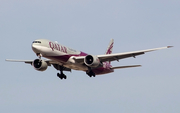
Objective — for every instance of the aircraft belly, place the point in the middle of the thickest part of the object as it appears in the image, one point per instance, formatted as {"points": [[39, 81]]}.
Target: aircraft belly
{"points": [[76, 66]]}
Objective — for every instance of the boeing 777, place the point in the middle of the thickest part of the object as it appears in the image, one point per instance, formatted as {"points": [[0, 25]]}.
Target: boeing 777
{"points": [[64, 59]]}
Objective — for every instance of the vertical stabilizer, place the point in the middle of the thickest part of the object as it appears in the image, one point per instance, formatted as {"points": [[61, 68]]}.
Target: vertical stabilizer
{"points": [[110, 47]]}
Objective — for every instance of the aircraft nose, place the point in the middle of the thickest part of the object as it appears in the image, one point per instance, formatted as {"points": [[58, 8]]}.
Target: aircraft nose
{"points": [[35, 48]]}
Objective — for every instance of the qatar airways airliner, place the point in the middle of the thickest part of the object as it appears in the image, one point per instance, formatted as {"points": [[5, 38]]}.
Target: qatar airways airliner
{"points": [[64, 59]]}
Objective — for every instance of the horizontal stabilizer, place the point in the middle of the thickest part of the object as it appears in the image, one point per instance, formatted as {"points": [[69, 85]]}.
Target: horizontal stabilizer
{"points": [[120, 67]]}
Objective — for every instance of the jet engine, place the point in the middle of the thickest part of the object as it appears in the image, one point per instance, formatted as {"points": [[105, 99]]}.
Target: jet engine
{"points": [[40, 65], [92, 61]]}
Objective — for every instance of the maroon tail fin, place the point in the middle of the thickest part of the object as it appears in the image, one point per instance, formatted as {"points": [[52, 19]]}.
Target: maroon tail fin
{"points": [[110, 48]]}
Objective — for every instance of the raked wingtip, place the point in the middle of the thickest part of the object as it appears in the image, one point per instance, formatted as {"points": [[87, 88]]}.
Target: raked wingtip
{"points": [[170, 46]]}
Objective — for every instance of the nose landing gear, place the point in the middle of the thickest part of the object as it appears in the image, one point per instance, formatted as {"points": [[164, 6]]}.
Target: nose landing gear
{"points": [[39, 55]]}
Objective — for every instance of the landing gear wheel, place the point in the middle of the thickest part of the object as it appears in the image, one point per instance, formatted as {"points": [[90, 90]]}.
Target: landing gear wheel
{"points": [[65, 77], [91, 73], [62, 76], [59, 75]]}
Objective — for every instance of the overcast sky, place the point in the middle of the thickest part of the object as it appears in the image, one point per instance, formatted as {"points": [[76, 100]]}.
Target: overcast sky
{"points": [[88, 25]]}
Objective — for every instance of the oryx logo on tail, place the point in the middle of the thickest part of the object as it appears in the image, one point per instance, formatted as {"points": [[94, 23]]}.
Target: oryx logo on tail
{"points": [[110, 47]]}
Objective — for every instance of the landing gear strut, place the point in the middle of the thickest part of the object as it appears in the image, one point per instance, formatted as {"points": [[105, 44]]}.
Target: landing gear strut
{"points": [[90, 73], [61, 75]]}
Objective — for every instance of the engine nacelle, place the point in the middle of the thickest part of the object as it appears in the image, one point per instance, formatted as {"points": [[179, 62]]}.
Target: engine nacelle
{"points": [[40, 65], [92, 61]]}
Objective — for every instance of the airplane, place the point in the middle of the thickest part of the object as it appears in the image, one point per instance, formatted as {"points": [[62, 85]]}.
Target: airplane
{"points": [[65, 59]]}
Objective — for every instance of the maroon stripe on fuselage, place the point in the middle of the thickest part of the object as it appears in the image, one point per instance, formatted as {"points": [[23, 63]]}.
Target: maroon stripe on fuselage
{"points": [[64, 58]]}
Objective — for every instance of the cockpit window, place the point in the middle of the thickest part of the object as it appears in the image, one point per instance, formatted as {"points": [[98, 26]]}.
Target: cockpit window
{"points": [[36, 41]]}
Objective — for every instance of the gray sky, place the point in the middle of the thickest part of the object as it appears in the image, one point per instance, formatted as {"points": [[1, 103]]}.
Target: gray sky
{"points": [[88, 25]]}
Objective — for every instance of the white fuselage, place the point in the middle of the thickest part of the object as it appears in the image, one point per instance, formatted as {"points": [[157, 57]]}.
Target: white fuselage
{"points": [[65, 56], [62, 54]]}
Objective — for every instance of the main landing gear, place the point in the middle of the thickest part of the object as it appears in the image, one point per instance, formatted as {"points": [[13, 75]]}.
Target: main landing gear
{"points": [[90, 73], [61, 75]]}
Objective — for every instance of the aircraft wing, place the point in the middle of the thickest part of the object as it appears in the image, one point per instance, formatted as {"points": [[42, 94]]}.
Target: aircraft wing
{"points": [[25, 61], [31, 61], [49, 62], [118, 56]]}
